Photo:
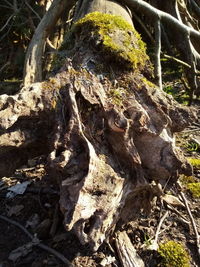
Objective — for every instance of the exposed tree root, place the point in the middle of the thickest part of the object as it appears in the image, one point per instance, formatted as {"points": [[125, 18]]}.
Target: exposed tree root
{"points": [[99, 151], [109, 137]]}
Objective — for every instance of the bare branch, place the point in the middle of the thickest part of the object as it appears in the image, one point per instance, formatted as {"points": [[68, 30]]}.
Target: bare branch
{"points": [[37, 15], [8, 3], [33, 60], [143, 26], [155, 13], [8, 20], [157, 68]]}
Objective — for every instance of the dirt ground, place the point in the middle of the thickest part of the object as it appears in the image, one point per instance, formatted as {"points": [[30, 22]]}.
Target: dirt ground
{"points": [[37, 211]]}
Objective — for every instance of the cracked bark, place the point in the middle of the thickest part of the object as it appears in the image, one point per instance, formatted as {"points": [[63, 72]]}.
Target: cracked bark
{"points": [[109, 159]]}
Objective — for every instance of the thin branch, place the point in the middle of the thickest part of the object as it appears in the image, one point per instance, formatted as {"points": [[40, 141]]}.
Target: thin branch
{"points": [[8, 20], [157, 68], [143, 26], [48, 249], [166, 39], [4, 66], [56, 253], [15, 6], [159, 226], [195, 7], [191, 218], [155, 13], [4, 218], [37, 15], [5, 6], [197, 72], [178, 61], [180, 216], [154, 244], [8, 3]]}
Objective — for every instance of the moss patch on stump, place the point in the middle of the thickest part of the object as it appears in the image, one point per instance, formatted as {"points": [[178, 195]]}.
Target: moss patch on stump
{"points": [[114, 37]]}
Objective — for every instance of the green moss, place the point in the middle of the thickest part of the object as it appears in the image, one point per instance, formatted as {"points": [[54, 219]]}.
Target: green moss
{"points": [[173, 255], [191, 184], [115, 36], [147, 82], [116, 95], [187, 179], [192, 146], [194, 162], [194, 189]]}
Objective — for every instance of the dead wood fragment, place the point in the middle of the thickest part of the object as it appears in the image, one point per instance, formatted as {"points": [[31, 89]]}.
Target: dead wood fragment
{"points": [[100, 180], [126, 251]]}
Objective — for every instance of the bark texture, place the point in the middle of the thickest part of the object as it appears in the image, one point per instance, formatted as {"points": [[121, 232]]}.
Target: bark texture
{"points": [[107, 131], [105, 156]]}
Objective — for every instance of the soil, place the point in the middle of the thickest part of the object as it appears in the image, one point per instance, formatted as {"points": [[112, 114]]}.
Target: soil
{"points": [[37, 211]]}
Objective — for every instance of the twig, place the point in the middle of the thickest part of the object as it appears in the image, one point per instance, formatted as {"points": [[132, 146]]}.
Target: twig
{"points": [[48, 249], [191, 218], [143, 26], [56, 253], [4, 66], [159, 226], [195, 7], [5, 6], [166, 40], [181, 217], [8, 20], [37, 15], [157, 68], [8, 3], [178, 61], [154, 244], [4, 218]]}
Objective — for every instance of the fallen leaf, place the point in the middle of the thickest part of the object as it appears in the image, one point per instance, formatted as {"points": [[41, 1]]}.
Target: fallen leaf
{"points": [[172, 200], [17, 189]]}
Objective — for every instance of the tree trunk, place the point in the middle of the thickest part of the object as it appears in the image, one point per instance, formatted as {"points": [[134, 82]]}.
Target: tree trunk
{"points": [[107, 131]]}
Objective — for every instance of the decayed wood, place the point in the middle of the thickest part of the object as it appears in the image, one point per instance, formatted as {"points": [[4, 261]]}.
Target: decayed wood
{"points": [[126, 251], [104, 153], [101, 156]]}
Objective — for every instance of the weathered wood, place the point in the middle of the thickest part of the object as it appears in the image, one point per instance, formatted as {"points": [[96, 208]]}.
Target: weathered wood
{"points": [[107, 132], [126, 251]]}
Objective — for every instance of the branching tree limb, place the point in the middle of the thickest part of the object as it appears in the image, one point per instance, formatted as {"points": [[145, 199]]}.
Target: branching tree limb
{"points": [[33, 60]]}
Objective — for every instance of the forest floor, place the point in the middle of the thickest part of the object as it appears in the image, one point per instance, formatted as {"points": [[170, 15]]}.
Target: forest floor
{"points": [[36, 210]]}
